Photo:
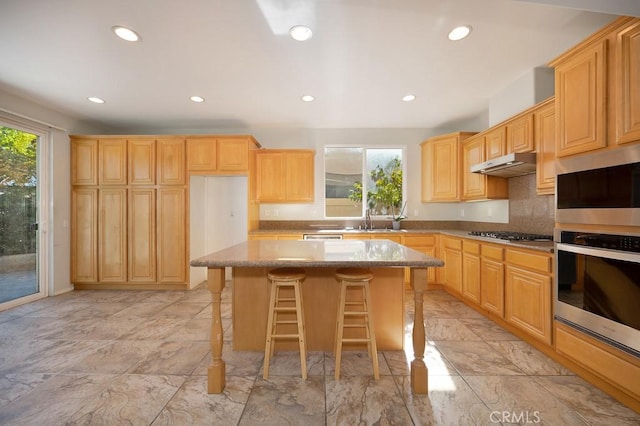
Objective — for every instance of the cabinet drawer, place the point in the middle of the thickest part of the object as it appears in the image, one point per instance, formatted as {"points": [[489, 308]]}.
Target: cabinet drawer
{"points": [[533, 261], [471, 247], [493, 252], [419, 240], [452, 243]]}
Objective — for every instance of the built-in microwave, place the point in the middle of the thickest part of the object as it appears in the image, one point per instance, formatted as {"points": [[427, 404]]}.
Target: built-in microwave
{"points": [[602, 188]]}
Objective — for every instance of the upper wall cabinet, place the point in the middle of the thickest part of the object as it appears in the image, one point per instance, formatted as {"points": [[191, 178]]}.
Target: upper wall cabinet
{"points": [[476, 186], [142, 161], [545, 146], [441, 166], [170, 164], [598, 90], [84, 162], [520, 134], [112, 162], [219, 154], [627, 67], [284, 176], [495, 143]]}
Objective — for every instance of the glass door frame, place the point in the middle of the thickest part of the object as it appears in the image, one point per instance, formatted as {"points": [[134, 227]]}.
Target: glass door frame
{"points": [[43, 202]]}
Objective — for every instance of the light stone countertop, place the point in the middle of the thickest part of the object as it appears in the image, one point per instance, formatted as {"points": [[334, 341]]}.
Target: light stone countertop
{"points": [[545, 246], [317, 253]]}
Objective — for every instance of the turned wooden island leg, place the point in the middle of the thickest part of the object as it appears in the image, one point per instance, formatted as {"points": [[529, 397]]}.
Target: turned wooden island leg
{"points": [[419, 371], [216, 371]]}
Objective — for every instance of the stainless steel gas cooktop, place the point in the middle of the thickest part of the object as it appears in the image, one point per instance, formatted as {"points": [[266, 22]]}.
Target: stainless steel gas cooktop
{"points": [[512, 236]]}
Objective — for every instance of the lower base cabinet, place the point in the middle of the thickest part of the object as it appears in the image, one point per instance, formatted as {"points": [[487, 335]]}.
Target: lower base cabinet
{"points": [[528, 302], [492, 279]]}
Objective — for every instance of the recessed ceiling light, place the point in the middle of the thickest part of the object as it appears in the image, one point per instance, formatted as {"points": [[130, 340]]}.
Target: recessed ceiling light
{"points": [[125, 33], [308, 98], [408, 98], [458, 33], [197, 99], [96, 100], [300, 33]]}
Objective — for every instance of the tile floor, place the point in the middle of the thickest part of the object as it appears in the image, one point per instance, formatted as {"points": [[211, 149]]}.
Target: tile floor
{"points": [[140, 358]]}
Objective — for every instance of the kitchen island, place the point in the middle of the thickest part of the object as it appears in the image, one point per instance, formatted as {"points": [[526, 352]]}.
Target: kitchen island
{"points": [[250, 261]]}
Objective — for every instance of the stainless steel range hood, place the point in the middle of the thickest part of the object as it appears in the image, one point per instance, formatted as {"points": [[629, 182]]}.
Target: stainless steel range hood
{"points": [[510, 165]]}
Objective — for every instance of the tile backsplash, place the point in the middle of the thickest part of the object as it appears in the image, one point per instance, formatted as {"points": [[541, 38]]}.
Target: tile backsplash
{"points": [[529, 212]]}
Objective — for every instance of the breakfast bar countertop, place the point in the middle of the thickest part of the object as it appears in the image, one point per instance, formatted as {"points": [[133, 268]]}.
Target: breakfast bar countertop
{"points": [[318, 253]]}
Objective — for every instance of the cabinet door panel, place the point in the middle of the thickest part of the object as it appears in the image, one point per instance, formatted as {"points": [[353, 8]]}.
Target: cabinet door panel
{"points": [[233, 155], [269, 174], [471, 277], [112, 235], [492, 286], [171, 162], [299, 176], [201, 155], [112, 162], [171, 235], [628, 85], [453, 269], [84, 162], [528, 302], [444, 176], [473, 184], [545, 122], [84, 235], [142, 161], [580, 101], [496, 143], [142, 235], [520, 134]]}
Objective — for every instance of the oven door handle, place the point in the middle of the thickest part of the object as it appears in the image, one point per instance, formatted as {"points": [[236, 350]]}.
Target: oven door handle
{"points": [[599, 252]]}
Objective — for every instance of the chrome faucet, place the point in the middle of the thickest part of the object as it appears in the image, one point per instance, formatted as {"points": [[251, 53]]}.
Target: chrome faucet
{"points": [[368, 223]]}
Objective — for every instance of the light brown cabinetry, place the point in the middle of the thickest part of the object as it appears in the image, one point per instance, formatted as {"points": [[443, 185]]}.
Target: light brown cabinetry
{"points": [[142, 161], [492, 279], [452, 257], [441, 162], [84, 234], [171, 161], [597, 95], [228, 155], [545, 143], [528, 293], [171, 235], [112, 235], [284, 176], [84, 162], [142, 235], [425, 244], [520, 134], [495, 141], [627, 68], [476, 186], [112, 162], [471, 270]]}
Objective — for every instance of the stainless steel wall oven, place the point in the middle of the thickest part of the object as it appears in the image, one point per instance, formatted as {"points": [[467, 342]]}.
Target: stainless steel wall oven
{"points": [[597, 276], [598, 285]]}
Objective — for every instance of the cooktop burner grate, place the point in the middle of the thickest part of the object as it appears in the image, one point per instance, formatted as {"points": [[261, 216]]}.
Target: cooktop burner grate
{"points": [[512, 236]]}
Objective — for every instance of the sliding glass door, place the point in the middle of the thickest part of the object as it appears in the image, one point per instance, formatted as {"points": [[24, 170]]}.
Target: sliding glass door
{"points": [[18, 214]]}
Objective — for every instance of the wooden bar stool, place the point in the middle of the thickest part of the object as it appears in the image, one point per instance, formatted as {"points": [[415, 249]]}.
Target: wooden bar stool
{"points": [[357, 278], [285, 279]]}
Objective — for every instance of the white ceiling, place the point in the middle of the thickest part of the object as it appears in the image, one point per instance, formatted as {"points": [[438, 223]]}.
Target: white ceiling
{"points": [[363, 57]]}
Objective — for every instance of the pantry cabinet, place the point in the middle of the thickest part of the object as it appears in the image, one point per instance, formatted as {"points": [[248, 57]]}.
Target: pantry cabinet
{"points": [[84, 235], [171, 235], [284, 176], [171, 161], [84, 162], [142, 235], [112, 162], [142, 161], [112, 235]]}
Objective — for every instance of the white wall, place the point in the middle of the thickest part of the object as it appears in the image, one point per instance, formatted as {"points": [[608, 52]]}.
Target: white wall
{"points": [[217, 218]]}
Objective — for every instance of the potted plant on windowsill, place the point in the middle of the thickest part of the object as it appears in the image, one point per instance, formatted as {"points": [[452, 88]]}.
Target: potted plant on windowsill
{"points": [[395, 219]]}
